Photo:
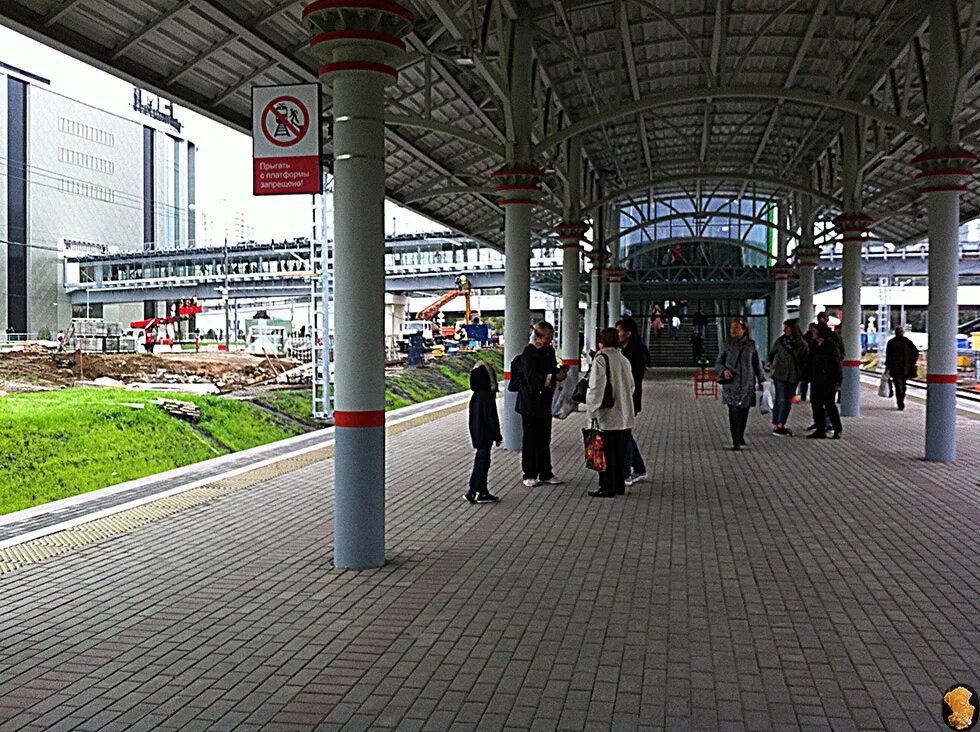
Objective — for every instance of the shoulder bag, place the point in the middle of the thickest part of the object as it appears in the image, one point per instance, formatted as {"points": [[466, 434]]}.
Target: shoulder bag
{"points": [[721, 379]]}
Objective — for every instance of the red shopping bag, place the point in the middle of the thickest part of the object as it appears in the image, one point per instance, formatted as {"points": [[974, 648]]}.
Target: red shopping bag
{"points": [[595, 452]]}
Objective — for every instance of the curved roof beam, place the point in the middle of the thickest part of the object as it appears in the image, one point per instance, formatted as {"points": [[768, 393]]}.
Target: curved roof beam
{"points": [[705, 216], [664, 243], [420, 123], [683, 96], [447, 191], [715, 175]]}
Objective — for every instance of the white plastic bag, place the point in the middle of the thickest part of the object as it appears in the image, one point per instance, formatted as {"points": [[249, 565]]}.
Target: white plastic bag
{"points": [[885, 387], [562, 404], [767, 402]]}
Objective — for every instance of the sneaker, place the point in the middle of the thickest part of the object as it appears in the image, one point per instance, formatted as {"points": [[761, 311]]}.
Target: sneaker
{"points": [[637, 478], [812, 427], [836, 435], [553, 480], [487, 498], [469, 497], [530, 482], [601, 494], [782, 432]]}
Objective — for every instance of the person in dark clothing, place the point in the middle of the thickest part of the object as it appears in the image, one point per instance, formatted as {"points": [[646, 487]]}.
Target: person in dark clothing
{"points": [[541, 373], [637, 354], [484, 430], [901, 359], [808, 338], [697, 346], [700, 322], [740, 372], [787, 359], [825, 375]]}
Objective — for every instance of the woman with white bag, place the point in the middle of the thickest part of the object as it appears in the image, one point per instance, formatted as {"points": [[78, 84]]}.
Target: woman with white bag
{"points": [[787, 359]]}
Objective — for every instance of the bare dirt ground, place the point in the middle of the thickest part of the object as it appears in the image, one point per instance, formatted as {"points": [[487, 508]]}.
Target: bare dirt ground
{"points": [[21, 372]]}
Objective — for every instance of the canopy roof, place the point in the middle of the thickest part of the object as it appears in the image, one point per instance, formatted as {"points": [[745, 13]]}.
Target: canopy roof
{"points": [[673, 98]]}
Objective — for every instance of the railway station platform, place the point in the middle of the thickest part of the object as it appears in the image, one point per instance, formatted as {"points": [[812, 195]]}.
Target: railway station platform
{"points": [[798, 584]]}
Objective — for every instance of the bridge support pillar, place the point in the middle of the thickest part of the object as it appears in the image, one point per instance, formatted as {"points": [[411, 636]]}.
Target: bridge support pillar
{"points": [[357, 46]]}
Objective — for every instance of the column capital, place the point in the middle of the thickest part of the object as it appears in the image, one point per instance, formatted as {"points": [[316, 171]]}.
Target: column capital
{"points": [[944, 170], [780, 272], [517, 184], [569, 234], [358, 36], [807, 256], [614, 275], [854, 227]]}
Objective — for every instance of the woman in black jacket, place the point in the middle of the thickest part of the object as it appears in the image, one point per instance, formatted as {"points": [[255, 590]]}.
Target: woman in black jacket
{"points": [[825, 375], [638, 356]]}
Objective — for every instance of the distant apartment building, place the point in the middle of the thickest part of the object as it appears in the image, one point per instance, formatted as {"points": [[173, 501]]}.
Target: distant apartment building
{"points": [[223, 225], [75, 177]]}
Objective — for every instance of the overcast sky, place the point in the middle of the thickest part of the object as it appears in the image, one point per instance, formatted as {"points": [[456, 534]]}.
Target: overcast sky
{"points": [[224, 159]]}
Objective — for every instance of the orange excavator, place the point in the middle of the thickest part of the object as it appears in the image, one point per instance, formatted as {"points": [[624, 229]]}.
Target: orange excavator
{"points": [[462, 290]]}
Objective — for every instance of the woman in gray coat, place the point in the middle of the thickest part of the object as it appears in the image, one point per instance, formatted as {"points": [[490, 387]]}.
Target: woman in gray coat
{"points": [[740, 372]]}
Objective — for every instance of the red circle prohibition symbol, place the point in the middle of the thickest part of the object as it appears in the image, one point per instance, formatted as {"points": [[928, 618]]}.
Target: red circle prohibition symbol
{"points": [[297, 132]]}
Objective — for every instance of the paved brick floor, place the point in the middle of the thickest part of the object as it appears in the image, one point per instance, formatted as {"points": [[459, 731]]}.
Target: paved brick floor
{"points": [[833, 585]]}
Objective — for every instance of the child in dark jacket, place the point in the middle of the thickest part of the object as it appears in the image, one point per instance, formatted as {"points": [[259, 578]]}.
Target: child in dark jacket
{"points": [[484, 430]]}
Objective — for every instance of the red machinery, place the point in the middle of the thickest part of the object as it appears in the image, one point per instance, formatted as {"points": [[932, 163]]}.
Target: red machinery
{"points": [[151, 326]]}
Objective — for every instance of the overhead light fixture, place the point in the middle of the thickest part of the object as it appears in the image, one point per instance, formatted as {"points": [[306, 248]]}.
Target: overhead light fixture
{"points": [[464, 61]]}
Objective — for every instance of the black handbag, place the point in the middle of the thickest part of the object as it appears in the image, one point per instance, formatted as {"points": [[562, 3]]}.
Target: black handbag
{"points": [[582, 389]]}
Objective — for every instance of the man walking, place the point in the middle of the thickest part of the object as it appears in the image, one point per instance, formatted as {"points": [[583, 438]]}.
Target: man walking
{"points": [[901, 357]]}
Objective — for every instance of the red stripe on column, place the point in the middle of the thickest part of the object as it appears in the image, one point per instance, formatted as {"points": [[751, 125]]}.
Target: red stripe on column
{"points": [[357, 35], [569, 362], [359, 419], [941, 379], [506, 375], [851, 363]]}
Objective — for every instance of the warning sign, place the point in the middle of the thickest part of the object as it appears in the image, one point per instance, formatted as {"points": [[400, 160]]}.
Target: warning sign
{"points": [[286, 139]]}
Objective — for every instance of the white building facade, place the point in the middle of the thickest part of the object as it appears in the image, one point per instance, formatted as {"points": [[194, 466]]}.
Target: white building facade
{"points": [[75, 178]]}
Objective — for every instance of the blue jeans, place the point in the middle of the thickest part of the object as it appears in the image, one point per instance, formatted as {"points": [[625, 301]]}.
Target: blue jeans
{"points": [[481, 469], [634, 461], [784, 400]]}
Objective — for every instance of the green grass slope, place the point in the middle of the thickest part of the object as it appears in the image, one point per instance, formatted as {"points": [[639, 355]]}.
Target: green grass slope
{"points": [[59, 444]]}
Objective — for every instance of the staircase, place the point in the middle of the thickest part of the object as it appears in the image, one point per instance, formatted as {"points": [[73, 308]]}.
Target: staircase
{"points": [[677, 352]]}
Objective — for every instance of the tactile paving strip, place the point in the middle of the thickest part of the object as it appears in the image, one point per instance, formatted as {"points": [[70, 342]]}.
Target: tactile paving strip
{"points": [[91, 532]]}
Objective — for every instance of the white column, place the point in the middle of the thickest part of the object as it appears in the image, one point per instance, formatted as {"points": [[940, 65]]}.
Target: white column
{"points": [[517, 185], [358, 73], [570, 235], [807, 257], [854, 228], [614, 273], [945, 172]]}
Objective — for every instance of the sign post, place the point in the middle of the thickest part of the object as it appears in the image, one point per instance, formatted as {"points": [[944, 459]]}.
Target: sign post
{"points": [[286, 140]]}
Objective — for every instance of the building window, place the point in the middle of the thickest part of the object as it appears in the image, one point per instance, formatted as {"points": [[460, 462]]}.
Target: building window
{"points": [[86, 132], [90, 162], [89, 190]]}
